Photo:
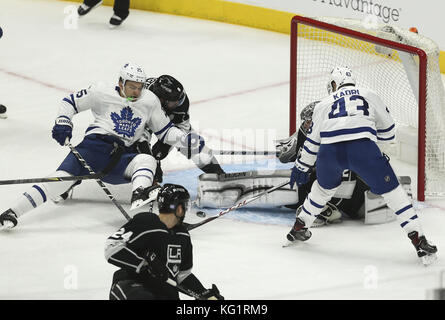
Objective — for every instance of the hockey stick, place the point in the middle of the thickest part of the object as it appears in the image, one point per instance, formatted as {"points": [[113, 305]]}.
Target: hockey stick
{"points": [[53, 179], [113, 161], [239, 205], [186, 291], [245, 153], [101, 184]]}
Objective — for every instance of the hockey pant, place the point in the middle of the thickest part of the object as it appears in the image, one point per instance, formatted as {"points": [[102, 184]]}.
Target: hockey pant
{"points": [[97, 151], [364, 158]]}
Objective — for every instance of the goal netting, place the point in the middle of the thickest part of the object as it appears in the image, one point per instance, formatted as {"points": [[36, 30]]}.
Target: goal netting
{"points": [[400, 65]]}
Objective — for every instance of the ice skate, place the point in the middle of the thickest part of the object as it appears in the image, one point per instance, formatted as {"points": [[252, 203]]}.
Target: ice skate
{"points": [[84, 9], [8, 219], [142, 196], [425, 250], [116, 21], [298, 231]]}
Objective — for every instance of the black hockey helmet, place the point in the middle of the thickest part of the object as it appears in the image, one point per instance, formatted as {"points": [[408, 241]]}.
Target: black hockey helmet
{"points": [[170, 196], [168, 88]]}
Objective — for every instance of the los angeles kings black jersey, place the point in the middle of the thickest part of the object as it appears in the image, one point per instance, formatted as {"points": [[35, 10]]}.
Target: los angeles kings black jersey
{"points": [[127, 249]]}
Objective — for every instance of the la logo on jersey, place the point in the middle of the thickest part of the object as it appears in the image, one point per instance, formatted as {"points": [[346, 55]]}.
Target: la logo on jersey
{"points": [[173, 258], [124, 123]]}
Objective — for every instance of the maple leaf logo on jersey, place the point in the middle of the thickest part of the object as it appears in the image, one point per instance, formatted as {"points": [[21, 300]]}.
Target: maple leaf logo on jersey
{"points": [[124, 123]]}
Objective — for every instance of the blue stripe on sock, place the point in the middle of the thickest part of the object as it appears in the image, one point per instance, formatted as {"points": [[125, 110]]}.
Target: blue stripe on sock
{"points": [[30, 199], [406, 222], [42, 193], [315, 204], [403, 209], [304, 209]]}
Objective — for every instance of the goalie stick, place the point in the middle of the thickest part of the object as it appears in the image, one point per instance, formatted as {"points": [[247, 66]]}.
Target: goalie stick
{"points": [[239, 205], [101, 184]]}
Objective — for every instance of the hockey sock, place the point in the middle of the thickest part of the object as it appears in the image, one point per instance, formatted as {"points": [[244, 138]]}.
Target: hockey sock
{"points": [[142, 169], [399, 202], [30, 199], [314, 203]]}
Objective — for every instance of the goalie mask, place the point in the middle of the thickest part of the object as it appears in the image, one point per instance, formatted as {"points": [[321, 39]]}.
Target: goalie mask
{"points": [[169, 90], [339, 77], [170, 196], [306, 116]]}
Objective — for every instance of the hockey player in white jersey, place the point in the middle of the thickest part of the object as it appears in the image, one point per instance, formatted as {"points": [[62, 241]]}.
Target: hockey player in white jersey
{"points": [[121, 114], [345, 128]]}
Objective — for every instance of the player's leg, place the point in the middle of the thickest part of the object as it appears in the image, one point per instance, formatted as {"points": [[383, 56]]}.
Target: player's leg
{"points": [[87, 6], [374, 168], [329, 168], [204, 160], [130, 290], [121, 10], [141, 171]]}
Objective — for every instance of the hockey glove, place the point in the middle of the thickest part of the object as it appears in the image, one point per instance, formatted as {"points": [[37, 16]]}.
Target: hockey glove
{"points": [[211, 294], [154, 267], [62, 130], [143, 147], [300, 175], [161, 150]]}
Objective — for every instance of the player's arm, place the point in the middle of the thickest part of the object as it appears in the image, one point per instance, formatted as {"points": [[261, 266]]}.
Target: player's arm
{"points": [[385, 124], [127, 249], [168, 133], [70, 106]]}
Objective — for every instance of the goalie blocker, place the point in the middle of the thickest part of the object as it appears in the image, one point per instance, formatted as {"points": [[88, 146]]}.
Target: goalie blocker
{"points": [[352, 198]]}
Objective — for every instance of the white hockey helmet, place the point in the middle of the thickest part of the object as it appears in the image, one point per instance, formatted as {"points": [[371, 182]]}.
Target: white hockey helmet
{"points": [[340, 76], [132, 72]]}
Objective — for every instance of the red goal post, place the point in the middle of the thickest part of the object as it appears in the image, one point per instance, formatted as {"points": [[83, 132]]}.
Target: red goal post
{"points": [[314, 51]]}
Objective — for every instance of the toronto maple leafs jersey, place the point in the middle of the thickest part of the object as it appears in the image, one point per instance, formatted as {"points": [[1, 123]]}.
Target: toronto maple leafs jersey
{"points": [[350, 113], [119, 117]]}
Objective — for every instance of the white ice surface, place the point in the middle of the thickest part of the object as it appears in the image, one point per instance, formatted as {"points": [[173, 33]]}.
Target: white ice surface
{"points": [[237, 79]]}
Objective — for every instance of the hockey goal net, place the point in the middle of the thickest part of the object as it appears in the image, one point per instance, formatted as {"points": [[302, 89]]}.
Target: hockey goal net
{"points": [[400, 65]]}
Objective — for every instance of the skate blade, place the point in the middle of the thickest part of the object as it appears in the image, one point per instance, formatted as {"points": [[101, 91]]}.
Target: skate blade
{"points": [[290, 243], [7, 225], [140, 203], [428, 259]]}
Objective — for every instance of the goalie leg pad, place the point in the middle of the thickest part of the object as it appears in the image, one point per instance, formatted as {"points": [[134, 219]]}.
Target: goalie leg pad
{"points": [[225, 190], [376, 210]]}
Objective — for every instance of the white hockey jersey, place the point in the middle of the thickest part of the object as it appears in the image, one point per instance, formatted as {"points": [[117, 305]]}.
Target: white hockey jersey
{"points": [[350, 113], [116, 116]]}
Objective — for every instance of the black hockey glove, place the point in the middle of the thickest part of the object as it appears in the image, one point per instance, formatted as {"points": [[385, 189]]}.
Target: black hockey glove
{"points": [[211, 294], [160, 150], [143, 147], [154, 267]]}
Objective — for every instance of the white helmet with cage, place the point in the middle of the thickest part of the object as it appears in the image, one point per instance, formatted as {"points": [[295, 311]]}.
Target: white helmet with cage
{"points": [[340, 76], [132, 72]]}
